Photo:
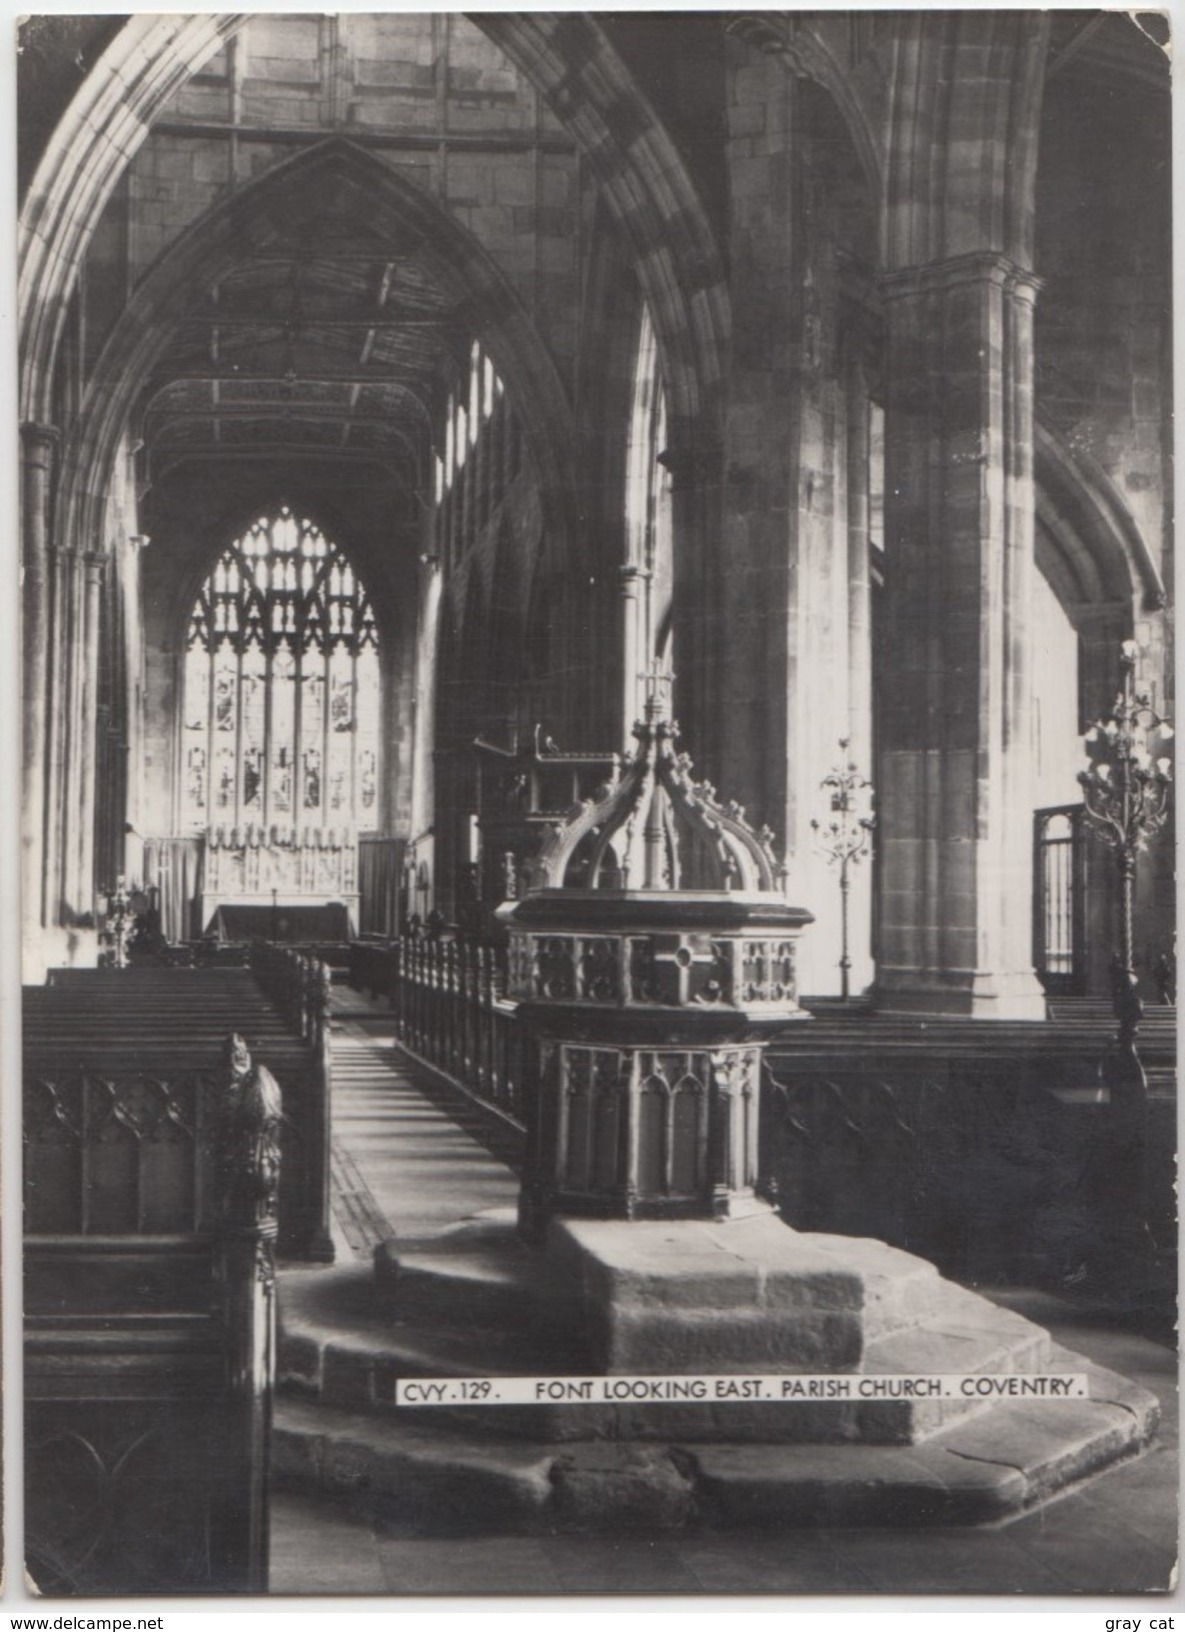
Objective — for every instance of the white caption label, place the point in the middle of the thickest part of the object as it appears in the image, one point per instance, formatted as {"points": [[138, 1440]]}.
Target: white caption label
{"points": [[778, 1388]]}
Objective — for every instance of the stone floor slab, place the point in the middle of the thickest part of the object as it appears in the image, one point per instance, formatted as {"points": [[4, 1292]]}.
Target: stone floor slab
{"points": [[596, 1565], [476, 1565], [964, 1561]]}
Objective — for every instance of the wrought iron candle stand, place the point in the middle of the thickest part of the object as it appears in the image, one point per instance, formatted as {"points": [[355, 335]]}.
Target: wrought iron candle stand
{"points": [[846, 839], [1126, 792]]}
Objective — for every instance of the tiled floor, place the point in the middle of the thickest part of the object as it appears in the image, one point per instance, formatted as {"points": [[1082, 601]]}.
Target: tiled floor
{"points": [[1115, 1534]]}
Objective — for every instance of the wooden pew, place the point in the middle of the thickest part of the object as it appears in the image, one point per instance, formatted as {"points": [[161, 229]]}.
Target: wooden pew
{"points": [[149, 1327], [162, 1022]]}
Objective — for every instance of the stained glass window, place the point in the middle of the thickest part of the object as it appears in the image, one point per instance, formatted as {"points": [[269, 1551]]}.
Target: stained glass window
{"points": [[648, 501], [281, 707]]}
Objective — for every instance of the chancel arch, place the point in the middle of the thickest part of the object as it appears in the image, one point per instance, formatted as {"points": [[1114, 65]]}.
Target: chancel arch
{"points": [[744, 396], [210, 306], [652, 201]]}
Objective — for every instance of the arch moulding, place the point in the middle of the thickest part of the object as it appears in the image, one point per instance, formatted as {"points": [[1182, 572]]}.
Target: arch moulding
{"points": [[101, 130], [387, 202], [566, 56], [1105, 557]]}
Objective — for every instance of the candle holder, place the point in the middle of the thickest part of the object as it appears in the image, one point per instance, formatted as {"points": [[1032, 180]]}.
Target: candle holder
{"points": [[119, 923], [1125, 790], [845, 838]]}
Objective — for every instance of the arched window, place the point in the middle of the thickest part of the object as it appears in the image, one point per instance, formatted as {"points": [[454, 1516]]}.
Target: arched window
{"points": [[648, 497], [647, 601], [281, 722]]}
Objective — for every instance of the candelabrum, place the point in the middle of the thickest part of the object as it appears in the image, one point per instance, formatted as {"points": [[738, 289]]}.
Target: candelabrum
{"points": [[1125, 790], [119, 923], [845, 837]]}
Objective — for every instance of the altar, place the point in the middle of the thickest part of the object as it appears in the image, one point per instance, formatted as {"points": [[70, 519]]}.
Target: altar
{"points": [[260, 882]]}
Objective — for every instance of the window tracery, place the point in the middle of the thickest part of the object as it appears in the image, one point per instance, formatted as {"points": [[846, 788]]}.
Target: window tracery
{"points": [[281, 711]]}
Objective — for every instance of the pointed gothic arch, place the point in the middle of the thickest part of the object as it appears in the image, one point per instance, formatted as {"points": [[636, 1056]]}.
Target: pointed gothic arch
{"points": [[993, 129], [1092, 553], [1094, 547], [388, 204], [105, 124], [572, 63], [568, 58]]}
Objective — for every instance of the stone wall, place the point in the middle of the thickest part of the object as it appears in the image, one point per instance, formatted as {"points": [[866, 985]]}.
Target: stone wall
{"points": [[430, 94], [1103, 334]]}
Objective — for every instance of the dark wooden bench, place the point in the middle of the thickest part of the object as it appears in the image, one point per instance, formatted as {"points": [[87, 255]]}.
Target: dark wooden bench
{"points": [[160, 1022], [150, 1223], [989, 1146]]}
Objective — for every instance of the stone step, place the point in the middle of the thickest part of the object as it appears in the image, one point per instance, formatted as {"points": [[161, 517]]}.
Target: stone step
{"points": [[610, 1466], [965, 1334], [483, 1262], [339, 1344], [1005, 1460], [490, 1277], [462, 1309]]}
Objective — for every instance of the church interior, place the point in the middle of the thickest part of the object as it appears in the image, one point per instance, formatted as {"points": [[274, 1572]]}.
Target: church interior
{"points": [[597, 663]]}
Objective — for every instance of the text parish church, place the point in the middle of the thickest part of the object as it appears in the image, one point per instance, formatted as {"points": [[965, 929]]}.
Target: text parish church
{"points": [[571, 565]]}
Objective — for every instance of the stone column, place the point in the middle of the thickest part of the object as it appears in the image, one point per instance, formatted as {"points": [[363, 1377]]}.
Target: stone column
{"points": [[64, 719], [74, 582], [956, 808], [754, 596], [420, 797], [83, 802], [859, 653], [131, 680], [38, 446], [61, 710], [859, 569], [635, 647]]}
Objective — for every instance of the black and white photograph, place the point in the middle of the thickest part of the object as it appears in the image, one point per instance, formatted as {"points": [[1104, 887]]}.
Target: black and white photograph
{"points": [[596, 836]]}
